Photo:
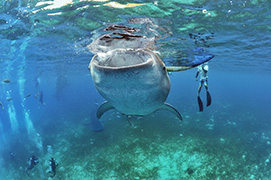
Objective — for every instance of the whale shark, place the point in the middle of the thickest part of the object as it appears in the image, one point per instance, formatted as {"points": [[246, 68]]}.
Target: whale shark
{"points": [[133, 81], [129, 74]]}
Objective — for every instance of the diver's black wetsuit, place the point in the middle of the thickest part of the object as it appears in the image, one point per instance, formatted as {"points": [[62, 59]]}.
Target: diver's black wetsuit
{"points": [[53, 166], [33, 161]]}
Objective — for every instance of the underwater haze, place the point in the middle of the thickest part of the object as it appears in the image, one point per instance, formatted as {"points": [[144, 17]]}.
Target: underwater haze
{"points": [[48, 99]]}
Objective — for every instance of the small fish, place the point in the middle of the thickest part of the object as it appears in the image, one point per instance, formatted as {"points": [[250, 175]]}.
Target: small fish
{"points": [[27, 95], [2, 106], [36, 21], [6, 81], [36, 95], [9, 99]]}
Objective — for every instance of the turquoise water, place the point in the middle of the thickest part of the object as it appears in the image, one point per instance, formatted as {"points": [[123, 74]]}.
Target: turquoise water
{"points": [[51, 98]]}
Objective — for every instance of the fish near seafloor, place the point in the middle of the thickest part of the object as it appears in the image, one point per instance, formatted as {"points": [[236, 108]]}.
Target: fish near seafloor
{"points": [[6, 80], [133, 81]]}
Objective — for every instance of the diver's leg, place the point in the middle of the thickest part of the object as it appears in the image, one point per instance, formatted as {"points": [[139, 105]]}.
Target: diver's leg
{"points": [[208, 95], [199, 89], [54, 173], [206, 84], [199, 100]]}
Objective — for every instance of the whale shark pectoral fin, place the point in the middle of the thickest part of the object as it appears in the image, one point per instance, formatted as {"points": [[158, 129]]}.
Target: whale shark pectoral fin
{"points": [[177, 68], [105, 106], [198, 60], [170, 108]]}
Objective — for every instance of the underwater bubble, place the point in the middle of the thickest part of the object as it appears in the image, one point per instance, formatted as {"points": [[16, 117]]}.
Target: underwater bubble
{"points": [[204, 11]]}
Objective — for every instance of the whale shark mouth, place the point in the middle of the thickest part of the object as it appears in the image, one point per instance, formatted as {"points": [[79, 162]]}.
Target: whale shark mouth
{"points": [[117, 40], [123, 58]]}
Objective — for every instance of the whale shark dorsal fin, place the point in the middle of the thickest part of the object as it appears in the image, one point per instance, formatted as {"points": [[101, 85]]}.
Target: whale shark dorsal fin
{"points": [[170, 108], [104, 107]]}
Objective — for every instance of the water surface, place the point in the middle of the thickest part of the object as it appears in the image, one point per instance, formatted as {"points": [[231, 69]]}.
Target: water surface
{"points": [[51, 96]]}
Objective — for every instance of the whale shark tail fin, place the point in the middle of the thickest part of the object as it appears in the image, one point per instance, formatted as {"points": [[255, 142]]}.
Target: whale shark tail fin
{"points": [[104, 107], [95, 124], [170, 108], [209, 99]]}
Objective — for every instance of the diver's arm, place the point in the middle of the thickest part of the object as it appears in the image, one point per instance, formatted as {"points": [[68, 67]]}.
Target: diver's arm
{"points": [[197, 75]]}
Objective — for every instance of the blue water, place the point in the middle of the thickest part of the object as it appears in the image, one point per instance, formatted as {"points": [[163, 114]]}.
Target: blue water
{"points": [[51, 98]]}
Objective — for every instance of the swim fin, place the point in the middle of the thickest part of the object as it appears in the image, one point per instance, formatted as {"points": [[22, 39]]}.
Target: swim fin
{"points": [[200, 104], [209, 99]]}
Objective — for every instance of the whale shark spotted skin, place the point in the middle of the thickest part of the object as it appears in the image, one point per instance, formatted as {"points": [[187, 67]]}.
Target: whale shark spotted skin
{"points": [[133, 81]]}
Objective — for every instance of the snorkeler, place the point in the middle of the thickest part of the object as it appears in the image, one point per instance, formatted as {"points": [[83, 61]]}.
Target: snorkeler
{"points": [[203, 70], [52, 167], [32, 162], [11, 154], [41, 97]]}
